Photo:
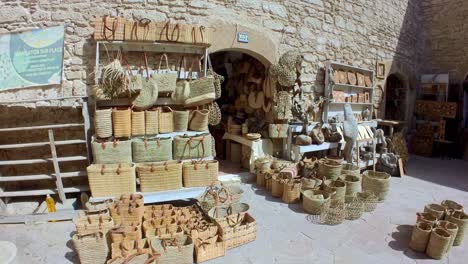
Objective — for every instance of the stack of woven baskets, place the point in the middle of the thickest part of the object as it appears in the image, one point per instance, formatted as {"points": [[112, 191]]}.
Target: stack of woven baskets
{"points": [[438, 228]]}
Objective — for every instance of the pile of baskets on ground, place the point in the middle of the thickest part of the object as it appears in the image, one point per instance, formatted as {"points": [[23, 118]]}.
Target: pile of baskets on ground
{"points": [[127, 231], [328, 188], [438, 228]]}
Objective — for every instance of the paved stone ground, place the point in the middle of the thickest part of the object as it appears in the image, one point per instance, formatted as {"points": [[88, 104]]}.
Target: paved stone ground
{"points": [[286, 235]]}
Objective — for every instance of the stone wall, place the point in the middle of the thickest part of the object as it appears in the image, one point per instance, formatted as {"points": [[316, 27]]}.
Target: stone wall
{"points": [[445, 27], [357, 32]]}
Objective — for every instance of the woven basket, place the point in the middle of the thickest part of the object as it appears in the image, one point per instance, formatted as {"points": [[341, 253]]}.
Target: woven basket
{"points": [[127, 214], [174, 251], [369, 199], [152, 149], [452, 205], [461, 219], [122, 122], [166, 224], [138, 123], [438, 244], [162, 176], [112, 152], [353, 184], [291, 191], [86, 225], [166, 120], [268, 181], [124, 233], [199, 120], [200, 174], [152, 122], [148, 95], [214, 196], [111, 179], [138, 31], [376, 182], [137, 258], [435, 209], [192, 147], [338, 188], [235, 192], [91, 248], [310, 184], [167, 81], [103, 123], [164, 233], [204, 232], [354, 209], [334, 214], [206, 249], [426, 218], [329, 169], [133, 198], [202, 91], [313, 203], [420, 237], [239, 234], [351, 169], [181, 119], [450, 227], [228, 215], [214, 117], [109, 28], [98, 205], [130, 247], [260, 178], [278, 130], [263, 164], [94, 214]]}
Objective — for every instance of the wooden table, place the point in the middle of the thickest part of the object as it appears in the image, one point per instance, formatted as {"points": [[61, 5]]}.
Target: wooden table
{"points": [[391, 124]]}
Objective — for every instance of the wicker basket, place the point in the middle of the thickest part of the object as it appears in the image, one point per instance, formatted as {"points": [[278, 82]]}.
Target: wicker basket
{"points": [[138, 123], [111, 179], [334, 214], [338, 190], [130, 247], [239, 234], [269, 180], [199, 120], [200, 173], [420, 237], [435, 209], [91, 248], [166, 120], [207, 249], [452, 228], [291, 191], [103, 123], [152, 149], [99, 205], [260, 178], [85, 225], [181, 119], [125, 233], [137, 258], [452, 206], [277, 185], [351, 169], [426, 218], [152, 122], [127, 214], [376, 182], [228, 215], [164, 232], [354, 209], [162, 176], [202, 91], [122, 122], [110, 152], [167, 224], [315, 201], [329, 169], [109, 28], [438, 244], [461, 219], [166, 81], [353, 184], [204, 232], [263, 164], [174, 251], [369, 199], [192, 147]]}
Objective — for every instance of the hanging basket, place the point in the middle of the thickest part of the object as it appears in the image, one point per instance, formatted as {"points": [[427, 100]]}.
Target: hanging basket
{"points": [[103, 123], [199, 120], [192, 147], [165, 78], [138, 123], [376, 182]]}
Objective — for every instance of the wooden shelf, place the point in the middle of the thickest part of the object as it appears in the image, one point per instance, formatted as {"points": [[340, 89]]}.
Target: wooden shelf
{"points": [[41, 192], [42, 144], [26, 178], [345, 86], [167, 47], [12, 129], [162, 101], [23, 162], [342, 103], [71, 158]]}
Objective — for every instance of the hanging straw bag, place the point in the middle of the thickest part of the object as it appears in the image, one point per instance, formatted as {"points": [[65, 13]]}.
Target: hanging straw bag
{"points": [[138, 123], [122, 122], [214, 117], [152, 149], [192, 147], [161, 176], [202, 90], [182, 90], [438, 244], [166, 120], [376, 182], [111, 152], [329, 169], [175, 250], [152, 121], [420, 236], [165, 79], [181, 120], [199, 120], [218, 79], [450, 227], [91, 248], [87, 224], [109, 28], [461, 219], [103, 123], [111, 179], [200, 173], [291, 191], [278, 130], [314, 201], [149, 91]]}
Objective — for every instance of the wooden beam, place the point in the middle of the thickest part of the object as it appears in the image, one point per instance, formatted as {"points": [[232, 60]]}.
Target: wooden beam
{"points": [[42, 144], [12, 129], [58, 178]]}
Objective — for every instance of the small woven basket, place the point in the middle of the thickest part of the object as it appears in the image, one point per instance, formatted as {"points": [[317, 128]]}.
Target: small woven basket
{"points": [[122, 233], [315, 201], [338, 190], [369, 199], [103, 123], [354, 209], [452, 205], [420, 237], [152, 122], [176, 250], [461, 219], [86, 224], [353, 184], [166, 120], [181, 119], [161, 176], [435, 209], [438, 244], [210, 248], [329, 169], [199, 120], [376, 182], [291, 191], [127, 213], [351, 169], [334, 214], [122, 122], [91, 247], [452, 228], [138, 123], [240, 233]]}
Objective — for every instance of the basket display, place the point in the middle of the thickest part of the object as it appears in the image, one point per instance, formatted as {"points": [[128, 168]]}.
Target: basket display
{"points": [[138, 123], [161, 176], [122, 122], [152, 122], [192, 147], [176, 250], [240, 234], [376, 182], [91, 247], [181, 120], [86, 225], [207, 249], [315, 201], [112, 152], [329, 169], [166, 120], [103, 123], [199, 120], [111, 179], [200, 173], [152, 149]]}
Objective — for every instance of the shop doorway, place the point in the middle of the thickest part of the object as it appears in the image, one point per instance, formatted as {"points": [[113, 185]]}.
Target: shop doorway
{"points": [[395, 98], [244, 75]]}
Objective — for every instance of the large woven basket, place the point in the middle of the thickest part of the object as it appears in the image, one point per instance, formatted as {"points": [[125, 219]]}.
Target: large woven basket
{"points": [[461, 219], [177, 251], [181, 120], [122, 122], [202, 91], [86, 224], [291, 191], [376, 182], [166, 82], [329, 169], [161, 176], [334, 214], [111, 179], [230, 215], [138, 123], [152, 149], [166, 120], [210, 248], [351, 169], [110, 152], [277, 185], [127, 213], [438, 244], [103, 123], [199, 120], [192, 147], [239, 234], [420, 236], [91, 248], [152, 122], [200, 173], [338, 190], [314, 201], [122, 233]]}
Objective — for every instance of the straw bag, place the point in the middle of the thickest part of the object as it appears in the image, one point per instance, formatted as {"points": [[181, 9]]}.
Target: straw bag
{"points": [[214, 117], [166, 120], [111, 152], [354, 209], [192, 147], [103, 123], [98, 205], [131, 247], [181, 119], [291, 191], [165, 80], [152, 121], [339, 187], [239, 233], [137, 258], [350, 169], [125, 233], [200, 173], [230, 215], [127, 213], [435, 209], [149, 91], [329, 169], [278, 130], [111, 179], [138, 123], [91, 248], [213, 196], [218, 79], [369, 199], [376, 182], [452, 206], [420, 237], [450, 227], [210, 248], [174, 251], [122, 122], [204, 231], [164, 225], [334, 214], [461, 219], [314, 201], [438, 244], [152, 149], [164, 232], [162, 176], [353, 185], [86, 224], [109, 28], [141, 30], [202, 90], [199, 120]]}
